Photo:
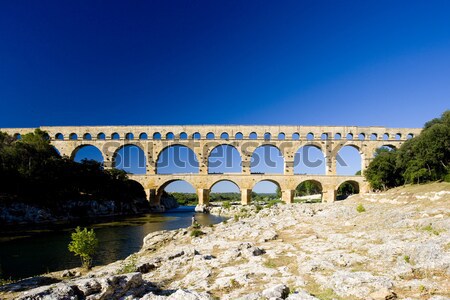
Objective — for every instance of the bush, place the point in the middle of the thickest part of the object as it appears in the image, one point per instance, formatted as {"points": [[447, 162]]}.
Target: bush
{"points": [[226, 204], [129, 265], [84, 244], [360, 208], [197, 233]]}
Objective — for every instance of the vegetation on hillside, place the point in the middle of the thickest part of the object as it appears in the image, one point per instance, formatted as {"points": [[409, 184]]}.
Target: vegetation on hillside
{"points": [[31, 171], [421, 159]]}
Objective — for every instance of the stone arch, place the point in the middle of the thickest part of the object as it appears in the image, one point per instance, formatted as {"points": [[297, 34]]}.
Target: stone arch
{"points": [[324, 136], [267, 136], [224, 136], [349, 136], [337, 136], [84, 146], [101, 136], [183, 136], [87, 137], [273, 158], [373, 137], [224, 180], [409, 136], [265, 185], [348, 162], [281, 136], [59, 136], [361, 136], [310, 136], [398, 136], [162, 187], [192, 163], [386, 136], [170, 136], [129, 136], [239, 136], [232, 164], [310, 159], [347, 188], [17, 136], [115, 136], [196, 136], [143, 136], [295, 136], [253, 136], [128, 162], [73, 136], [210, 136], [307, 190], [156, 136]]}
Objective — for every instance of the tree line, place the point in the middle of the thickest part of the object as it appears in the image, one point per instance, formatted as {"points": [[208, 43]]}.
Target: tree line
{"points": [[421, 159], [32, 171]]}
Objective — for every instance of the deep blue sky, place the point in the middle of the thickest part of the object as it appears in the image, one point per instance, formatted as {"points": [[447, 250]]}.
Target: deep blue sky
{"points": [[240, 62]]}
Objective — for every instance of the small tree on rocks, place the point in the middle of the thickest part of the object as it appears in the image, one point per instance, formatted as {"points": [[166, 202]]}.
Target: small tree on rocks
{"points": [[84, 244]]}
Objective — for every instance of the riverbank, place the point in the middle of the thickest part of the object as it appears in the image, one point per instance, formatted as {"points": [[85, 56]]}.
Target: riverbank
{"points": [[392, 245]]}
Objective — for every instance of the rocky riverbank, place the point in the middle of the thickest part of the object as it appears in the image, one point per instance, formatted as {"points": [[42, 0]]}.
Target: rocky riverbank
{"points": [[393, 245]]}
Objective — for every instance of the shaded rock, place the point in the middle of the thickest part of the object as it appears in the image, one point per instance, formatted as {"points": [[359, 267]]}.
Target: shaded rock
{"points": [[278, 291]]}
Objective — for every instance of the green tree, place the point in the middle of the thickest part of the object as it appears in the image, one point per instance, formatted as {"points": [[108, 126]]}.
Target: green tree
{"points": [[84, 244], [382, 173]]}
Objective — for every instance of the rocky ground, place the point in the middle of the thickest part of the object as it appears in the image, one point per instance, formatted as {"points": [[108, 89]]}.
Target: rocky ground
{"points": [[393, 245]]}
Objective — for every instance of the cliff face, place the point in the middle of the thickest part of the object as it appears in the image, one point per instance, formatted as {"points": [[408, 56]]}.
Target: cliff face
{"points": [[392, 245]]}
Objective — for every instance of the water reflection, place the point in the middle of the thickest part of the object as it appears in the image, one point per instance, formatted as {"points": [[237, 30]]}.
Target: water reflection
{"points": [[31, 252]]}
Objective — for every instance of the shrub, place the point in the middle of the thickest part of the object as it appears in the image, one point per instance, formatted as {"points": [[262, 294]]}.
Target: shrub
{"points": [[226, 204], [84, 244], [129, 265], [197, 233], [407, 259], [360, 208]]}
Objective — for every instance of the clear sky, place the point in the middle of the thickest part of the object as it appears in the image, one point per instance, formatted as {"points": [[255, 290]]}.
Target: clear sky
{"points": [[223, 62]]}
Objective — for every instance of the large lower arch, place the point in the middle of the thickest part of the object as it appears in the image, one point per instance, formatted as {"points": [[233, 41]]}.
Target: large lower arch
{"points": [[181, 190], [346, 189], [309, 159], [87, 152], [177, 159], [308, 191], [224, 159], [225, 190], [130, 158], [266, 190], [348, 161], [267, 159]]}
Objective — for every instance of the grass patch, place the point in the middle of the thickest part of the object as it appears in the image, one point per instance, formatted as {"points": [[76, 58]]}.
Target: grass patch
{"points": [[360, 208], [407, 259], [270, 264], [430, 229], [273, 202], [129, 265], [317, 291], [226, 204]]}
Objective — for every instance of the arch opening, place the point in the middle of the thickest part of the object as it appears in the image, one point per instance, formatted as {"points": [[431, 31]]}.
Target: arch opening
{"points": [[266, 191], [196, 136], [225, 190], [373, 137], [183, 136], [309, 159], [346, 189], [131, 159], [239, 136], [310, 136], [224, 159], [295, 136], [129, 136], [210, 136], [348, 161], [337, 136], [267, 136], [157, 136], [308, 191], [87, 153], [143, 136], [361, 136], [87, 137], [59, 137], [253, 136], [224, 136], [73, 137], [179, 190], [177, 159], [324, 136], [281, 136], [267, 159], [349, 136], [101, 136], [115, 136], [170, 136]]}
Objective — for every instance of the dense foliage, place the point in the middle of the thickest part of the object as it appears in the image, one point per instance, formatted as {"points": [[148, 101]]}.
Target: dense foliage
{"points": [[32, 171], [421, 159]]}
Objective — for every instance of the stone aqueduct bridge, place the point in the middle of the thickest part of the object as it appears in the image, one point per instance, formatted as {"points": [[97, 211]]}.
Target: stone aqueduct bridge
{"points": [[203, 139]]}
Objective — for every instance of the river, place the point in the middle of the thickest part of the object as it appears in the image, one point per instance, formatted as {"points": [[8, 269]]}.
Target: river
{"points": [[28, 252]]}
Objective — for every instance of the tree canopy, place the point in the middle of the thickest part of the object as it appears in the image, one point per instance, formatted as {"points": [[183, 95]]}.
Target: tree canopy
{"points": [[421, 159]]}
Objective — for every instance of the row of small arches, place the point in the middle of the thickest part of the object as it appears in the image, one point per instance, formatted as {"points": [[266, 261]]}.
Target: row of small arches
{"points": [[225, 136]]}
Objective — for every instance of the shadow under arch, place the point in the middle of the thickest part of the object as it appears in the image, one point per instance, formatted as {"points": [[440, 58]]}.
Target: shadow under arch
{"points": [[309, 191], [174, 157], [267, 158], [87, 151], [347, 188], [310, 159], [130, 162], [224, 158]]}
